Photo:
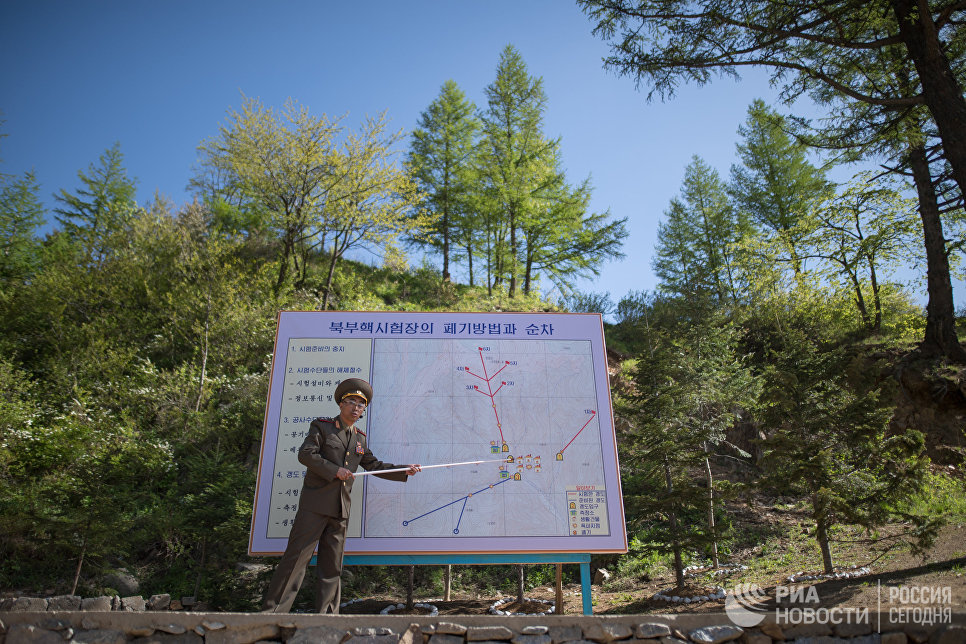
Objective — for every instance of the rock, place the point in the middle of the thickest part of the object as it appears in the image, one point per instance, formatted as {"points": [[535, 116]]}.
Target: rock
{"points": [[28, 605], [159, 602], [852, 629], [164, 638], [502, 633], [53, 625], [894, 638], [30, 634], [64, 602], [122, 581], [449, 628], [715, 634], [382, 639], [88, 624], [601, 576], [534, 630], [757, 638], [173, 629], [100, 604], [443, 638], [319, 635], [647, 630], [606, 632], [532, 639], [141, 631], [133, 604], [256, 568], [242, 634], [772, 630], [794, 631], [412, 635], [951, 634], [99, 636], [212, 626], [560, 634], [175, 605]]}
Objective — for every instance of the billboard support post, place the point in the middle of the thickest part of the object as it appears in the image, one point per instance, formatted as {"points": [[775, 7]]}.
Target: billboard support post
{"points": [[484, 559]]}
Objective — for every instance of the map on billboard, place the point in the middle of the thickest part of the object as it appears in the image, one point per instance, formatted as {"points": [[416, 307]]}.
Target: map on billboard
{"points": [[519, 401]]}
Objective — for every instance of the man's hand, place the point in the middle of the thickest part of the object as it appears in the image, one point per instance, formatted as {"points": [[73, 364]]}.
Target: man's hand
{"points": [[413, 469], [344, 474]]}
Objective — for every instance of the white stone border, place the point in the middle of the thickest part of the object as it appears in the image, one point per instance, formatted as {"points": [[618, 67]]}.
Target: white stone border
{"points": [[495, 608], [716, 594], [433, 611], [721, 570], [850, 573]]}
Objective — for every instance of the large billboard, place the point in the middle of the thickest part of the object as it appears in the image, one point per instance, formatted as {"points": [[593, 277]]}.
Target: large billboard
{"points": [[523, 397]]}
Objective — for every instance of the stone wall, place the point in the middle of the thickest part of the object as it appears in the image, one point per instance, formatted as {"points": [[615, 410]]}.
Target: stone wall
{"points": [[22, 623]]}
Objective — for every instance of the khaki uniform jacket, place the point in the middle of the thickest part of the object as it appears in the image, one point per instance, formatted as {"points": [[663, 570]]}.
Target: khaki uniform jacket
{"points": [[327, 448]]}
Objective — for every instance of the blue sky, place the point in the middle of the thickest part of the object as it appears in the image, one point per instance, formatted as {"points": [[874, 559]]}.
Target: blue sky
{"points": [[158, 77]]}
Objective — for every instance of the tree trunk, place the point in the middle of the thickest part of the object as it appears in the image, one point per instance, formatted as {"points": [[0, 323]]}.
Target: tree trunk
{"points": [[940, 90], [447, 582], [328, 280], [80, 562], [558, 608], [714, 532], [673, 520], [821, 535], [940, 337], [520, 584], [410, 585], [445, 223], [201, 568]]}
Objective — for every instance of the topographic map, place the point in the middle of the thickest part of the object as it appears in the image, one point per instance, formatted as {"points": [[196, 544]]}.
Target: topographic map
{"points": [[529, 407]]}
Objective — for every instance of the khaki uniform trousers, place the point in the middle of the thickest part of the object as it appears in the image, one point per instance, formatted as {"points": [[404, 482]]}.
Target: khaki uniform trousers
{"points": [[309, 528]]}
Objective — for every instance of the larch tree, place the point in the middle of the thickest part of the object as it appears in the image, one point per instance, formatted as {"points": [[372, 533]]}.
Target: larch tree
{"points": [[512, 158], [775, 182], [695, 246], [441, 158], [102, 207], [537, 223]]}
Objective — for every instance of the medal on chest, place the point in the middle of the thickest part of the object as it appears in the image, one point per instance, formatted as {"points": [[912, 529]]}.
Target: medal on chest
{"points": [[359, 449]]}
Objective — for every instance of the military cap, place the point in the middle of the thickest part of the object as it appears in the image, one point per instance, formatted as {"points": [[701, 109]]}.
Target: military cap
{"points": [[353, 387]]}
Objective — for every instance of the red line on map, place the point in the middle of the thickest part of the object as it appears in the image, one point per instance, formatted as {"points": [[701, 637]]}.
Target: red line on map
{"points": [[593, 415], [489, 392]]}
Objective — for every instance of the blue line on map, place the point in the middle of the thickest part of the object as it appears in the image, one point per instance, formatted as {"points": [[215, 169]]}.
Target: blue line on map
{"points": [[463, 499], [456, 530]]}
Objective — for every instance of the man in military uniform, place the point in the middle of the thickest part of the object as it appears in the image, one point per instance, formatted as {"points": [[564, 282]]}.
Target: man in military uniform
{"points": [[331, 452]]}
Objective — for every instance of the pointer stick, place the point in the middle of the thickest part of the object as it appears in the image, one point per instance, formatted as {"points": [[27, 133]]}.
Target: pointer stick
{"points": [[426, 467]]}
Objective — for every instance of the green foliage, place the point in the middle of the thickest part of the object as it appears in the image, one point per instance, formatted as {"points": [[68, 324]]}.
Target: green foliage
{"points": [[829, 438], [941, 495], [21, 214]]}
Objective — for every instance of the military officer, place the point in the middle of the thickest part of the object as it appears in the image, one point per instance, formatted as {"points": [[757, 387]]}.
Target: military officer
{"points": [[331, 452]]}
